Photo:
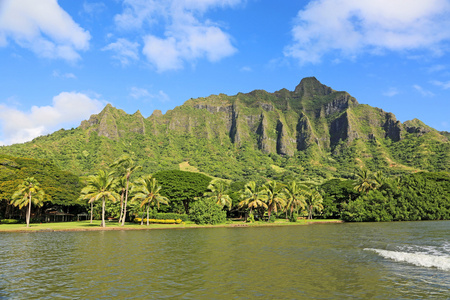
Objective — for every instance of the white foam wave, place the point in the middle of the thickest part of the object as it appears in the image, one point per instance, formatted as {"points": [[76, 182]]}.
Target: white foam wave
{"points": [[426, 249], [418, 259]]}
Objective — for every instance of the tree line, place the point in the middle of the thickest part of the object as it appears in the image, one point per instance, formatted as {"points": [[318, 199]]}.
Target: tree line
{"points": [[373, 197], [178, 190], [119, 192]]}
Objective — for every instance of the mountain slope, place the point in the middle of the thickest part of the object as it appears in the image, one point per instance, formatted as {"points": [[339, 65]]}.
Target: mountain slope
{"points": [[309, 132]]}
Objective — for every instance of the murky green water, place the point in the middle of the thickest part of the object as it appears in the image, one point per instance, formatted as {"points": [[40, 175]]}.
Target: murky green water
{"points": [[408, 260]]}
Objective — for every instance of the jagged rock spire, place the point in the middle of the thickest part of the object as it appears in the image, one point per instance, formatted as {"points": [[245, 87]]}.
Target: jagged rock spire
{"points": [[310, 86]]}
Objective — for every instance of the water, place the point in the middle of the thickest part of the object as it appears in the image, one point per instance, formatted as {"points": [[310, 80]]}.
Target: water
{"points": [[407, 260]]}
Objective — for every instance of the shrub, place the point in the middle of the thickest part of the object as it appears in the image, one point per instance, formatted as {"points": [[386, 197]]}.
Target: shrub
{"points": [[206, 211], [169, 216], [9, 221], [251, 218], [272, 219], [293, 217]]}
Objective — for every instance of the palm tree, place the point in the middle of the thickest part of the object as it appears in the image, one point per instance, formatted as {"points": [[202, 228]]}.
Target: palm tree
{"points": [[313, 200], [126, 167], [28, 192], [363, 182], [218, 192], [294, 197], [252, 198], [379, 179], [274, 196], [101, 186], [148, 192], [121, 188]]}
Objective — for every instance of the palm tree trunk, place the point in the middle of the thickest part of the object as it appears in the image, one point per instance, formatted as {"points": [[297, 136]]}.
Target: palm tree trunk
{"points": [[142, 219], [103, 212], [8, 211], [269, 211], [125, 204], [121, 207], [92, 211], [29, 211], [148, 208]]}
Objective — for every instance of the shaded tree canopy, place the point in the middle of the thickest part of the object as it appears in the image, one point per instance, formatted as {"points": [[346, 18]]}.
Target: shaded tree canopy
{"points": [[412, 197], [182, 185], [61, 187]]}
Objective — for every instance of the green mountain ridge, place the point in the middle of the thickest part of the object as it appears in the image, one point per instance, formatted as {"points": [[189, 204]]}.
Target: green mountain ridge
{"points": [[313, 131]]}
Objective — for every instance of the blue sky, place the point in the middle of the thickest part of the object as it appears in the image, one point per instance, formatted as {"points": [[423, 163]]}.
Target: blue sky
{"points": [[61, 61]]}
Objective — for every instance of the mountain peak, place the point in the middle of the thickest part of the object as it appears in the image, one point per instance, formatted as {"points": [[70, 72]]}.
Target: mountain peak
{"points": [[138, 114], [310, 86], [108, 107]]}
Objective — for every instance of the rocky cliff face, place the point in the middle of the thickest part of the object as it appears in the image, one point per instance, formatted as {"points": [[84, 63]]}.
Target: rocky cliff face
{"points": [[282, 122], [392, 127], [310, 87], [114, 123], [305, 134], [416, 126]]}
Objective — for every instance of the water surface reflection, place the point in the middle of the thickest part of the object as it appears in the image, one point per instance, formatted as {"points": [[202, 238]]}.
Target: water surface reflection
{"points": [[295, 262]]}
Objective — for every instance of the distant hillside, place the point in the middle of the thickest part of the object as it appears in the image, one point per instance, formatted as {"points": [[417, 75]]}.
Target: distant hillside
{"points": [[309, 133]]}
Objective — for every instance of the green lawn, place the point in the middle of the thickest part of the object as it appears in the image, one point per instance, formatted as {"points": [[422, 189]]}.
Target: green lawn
{"points": [[80, 225], [86, 225]]}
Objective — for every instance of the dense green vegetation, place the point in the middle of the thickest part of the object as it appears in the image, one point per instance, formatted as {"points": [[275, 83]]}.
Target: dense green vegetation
{"points": [[79, 152], [413, 197], [62, 188], [206, 211], [182, 187], [367, 197]]}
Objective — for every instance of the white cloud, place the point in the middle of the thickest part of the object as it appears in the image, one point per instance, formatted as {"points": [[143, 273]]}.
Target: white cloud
{"points": [[138, 12], [184, 36], [436, 68], [43, 27], [92, 8], [3, 41], [162, 97], [391, 92], [57, 74], [422, 91], [137, 93], [140, 93], [444, 85], [125, 50], [187, 44], [355, 26], [67, 109], [163, 53]]}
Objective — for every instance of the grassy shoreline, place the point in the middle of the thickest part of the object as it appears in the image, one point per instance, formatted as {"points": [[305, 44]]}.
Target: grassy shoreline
{"points": [[111, 226]]}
